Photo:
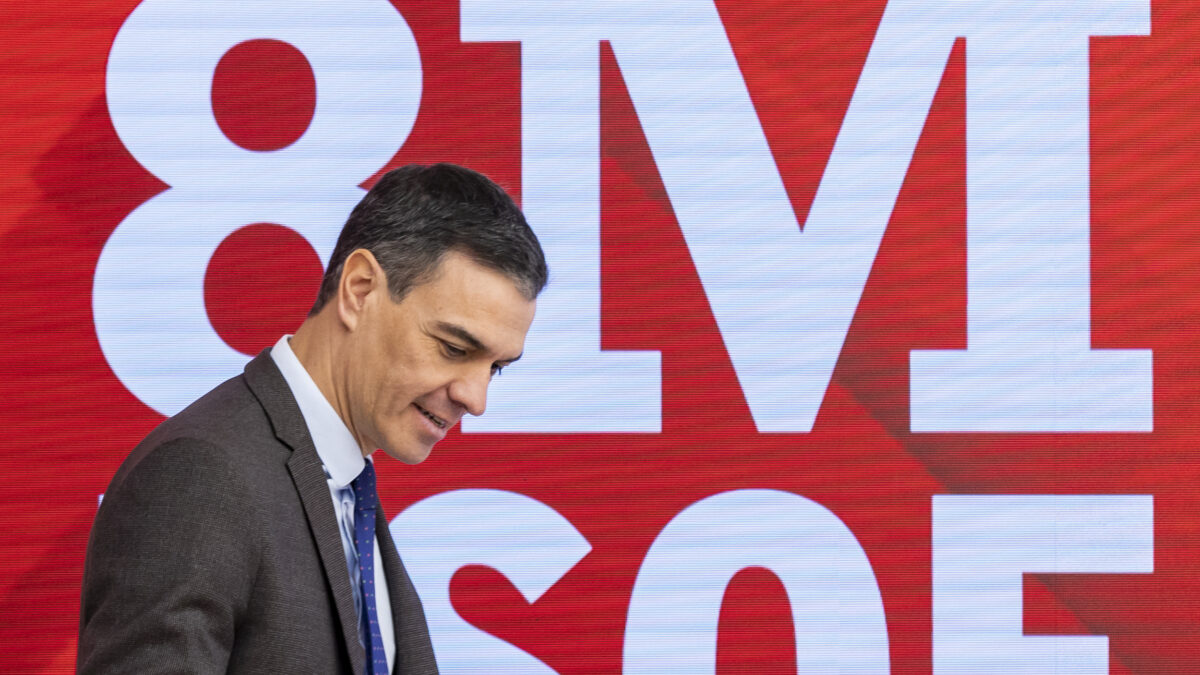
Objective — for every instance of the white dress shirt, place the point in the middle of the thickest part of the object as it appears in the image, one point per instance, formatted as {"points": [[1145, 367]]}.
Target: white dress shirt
{"points": [[343, 460]]}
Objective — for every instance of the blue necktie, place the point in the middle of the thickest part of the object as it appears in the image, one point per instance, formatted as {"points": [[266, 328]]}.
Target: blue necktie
{"points": [[365, 498]]}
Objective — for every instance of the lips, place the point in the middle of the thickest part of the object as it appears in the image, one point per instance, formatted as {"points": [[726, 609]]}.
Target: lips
{"points": [[437, 421]]}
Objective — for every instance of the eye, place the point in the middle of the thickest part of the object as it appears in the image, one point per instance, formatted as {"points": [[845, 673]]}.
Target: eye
{"points": [[452, 351]]}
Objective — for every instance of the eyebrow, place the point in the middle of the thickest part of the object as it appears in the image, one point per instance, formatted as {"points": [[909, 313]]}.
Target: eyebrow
{"points": [[473, 342]]}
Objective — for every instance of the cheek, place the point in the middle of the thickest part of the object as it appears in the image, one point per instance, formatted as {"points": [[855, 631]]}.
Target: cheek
{"points": [[394, 395]]}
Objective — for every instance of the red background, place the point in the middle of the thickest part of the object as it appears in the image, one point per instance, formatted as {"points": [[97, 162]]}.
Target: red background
{"points": [[66, 181]]}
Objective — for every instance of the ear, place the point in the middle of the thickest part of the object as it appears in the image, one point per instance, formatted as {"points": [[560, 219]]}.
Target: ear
{"points": [[362, 282]]}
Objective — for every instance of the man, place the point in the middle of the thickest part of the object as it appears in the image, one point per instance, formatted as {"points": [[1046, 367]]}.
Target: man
{"points": [[237, 536]]}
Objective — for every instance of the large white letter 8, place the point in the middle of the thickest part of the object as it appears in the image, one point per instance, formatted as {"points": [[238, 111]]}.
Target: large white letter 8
{"points": [[148, 290]]}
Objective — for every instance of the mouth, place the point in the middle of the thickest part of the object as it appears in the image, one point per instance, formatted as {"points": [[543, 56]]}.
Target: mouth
{"points": [[437, 421]]}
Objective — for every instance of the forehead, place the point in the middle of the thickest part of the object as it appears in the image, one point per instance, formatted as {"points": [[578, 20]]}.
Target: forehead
{"points": [[477, 299]]}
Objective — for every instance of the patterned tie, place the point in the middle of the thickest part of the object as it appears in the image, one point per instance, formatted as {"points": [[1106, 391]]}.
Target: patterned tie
{"points": [[365, 498]]}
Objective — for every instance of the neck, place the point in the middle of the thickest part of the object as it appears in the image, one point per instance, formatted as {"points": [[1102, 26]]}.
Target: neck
{"points": [[316, 346]]}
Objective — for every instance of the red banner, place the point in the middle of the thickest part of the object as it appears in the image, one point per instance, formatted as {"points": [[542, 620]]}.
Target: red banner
{"points": [[870, 343]]}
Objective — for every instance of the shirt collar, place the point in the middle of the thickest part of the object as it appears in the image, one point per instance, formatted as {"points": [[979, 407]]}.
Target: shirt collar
{"points": [[334, 443]]}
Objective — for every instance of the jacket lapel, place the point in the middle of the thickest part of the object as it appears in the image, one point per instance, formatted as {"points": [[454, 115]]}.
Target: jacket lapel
{"points": [[308, 476]]}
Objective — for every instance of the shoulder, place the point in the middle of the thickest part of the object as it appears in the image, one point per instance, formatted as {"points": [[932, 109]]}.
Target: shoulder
{"points": [[229, 415], [181, 488], [227, 432], [192, 489]]}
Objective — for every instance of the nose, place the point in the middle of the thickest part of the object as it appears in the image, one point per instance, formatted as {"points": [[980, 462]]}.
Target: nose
{"points": [[470, 391]]}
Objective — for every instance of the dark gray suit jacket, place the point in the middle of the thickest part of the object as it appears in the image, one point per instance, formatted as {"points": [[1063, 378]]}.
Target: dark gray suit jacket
{"points": [[216, 549]]}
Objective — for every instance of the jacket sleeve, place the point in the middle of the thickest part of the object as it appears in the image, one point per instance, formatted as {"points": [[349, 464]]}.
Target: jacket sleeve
{"points": [[170, 564]]}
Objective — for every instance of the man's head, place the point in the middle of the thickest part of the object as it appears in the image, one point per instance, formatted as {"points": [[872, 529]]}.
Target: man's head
{"points": [[429, 293], [415, 214]]}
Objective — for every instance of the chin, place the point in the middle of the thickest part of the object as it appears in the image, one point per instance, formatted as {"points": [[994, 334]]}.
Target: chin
{"points": [[409, 455]]}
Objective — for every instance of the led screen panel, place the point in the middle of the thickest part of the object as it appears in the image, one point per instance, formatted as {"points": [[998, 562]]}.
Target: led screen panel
{"points": [[870, 343]]}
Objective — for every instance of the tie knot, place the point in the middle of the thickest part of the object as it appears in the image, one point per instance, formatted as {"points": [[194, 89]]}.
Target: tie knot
{"points": [[364, 486]]}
